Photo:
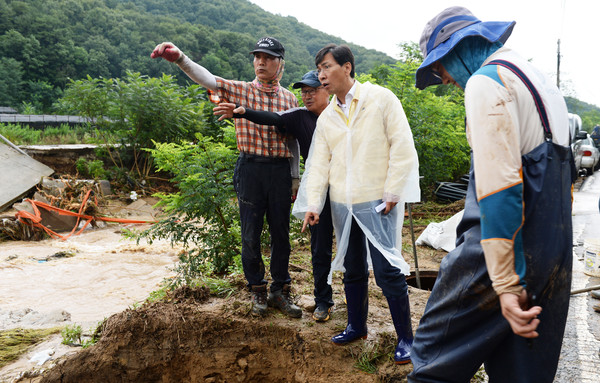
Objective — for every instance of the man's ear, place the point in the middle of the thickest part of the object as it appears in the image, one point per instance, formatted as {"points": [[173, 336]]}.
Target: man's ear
{"points": [[347, 68]]}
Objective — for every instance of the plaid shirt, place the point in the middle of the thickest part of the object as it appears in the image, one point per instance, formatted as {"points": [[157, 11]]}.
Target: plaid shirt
{"points": [[260, 140]]}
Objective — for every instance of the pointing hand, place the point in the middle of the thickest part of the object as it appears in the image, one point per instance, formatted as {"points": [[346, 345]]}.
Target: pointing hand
{"points": [[168, 51]]}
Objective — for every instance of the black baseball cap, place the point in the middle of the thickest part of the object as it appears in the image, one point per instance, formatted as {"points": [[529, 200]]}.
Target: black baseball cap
{"points": [[269, 45]]}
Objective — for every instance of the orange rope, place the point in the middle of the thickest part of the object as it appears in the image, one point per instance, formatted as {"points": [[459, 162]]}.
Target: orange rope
{"points": [[35, 219]]}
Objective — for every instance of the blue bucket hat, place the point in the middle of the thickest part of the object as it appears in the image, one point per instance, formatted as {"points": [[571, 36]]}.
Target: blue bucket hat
{"points": [[309, 79], [446, 30]]}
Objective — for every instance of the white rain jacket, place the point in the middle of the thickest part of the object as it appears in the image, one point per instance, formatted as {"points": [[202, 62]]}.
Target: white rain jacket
{"points": [[364, 159]]}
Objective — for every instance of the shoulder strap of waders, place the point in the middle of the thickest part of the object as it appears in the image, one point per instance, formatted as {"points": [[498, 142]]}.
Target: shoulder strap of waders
{"points": [[539, 104]]}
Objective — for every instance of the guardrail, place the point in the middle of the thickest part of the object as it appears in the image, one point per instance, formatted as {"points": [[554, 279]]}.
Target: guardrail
{"points": [[41, 120]]}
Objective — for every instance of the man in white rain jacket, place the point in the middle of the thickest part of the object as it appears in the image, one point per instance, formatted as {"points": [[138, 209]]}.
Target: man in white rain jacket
{"points": [[363, 150]]}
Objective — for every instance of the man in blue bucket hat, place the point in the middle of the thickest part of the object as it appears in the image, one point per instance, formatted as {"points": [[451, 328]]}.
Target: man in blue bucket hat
{"points": [[501, 297]]}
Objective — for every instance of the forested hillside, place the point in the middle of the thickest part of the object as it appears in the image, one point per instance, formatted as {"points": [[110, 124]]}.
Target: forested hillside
{"points": [[590, 114], [44, 43]]}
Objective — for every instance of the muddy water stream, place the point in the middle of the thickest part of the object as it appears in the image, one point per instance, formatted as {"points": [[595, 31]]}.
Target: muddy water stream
{"points": [[105, 274]]}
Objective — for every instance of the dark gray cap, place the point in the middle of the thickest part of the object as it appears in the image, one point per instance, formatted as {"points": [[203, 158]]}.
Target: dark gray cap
{"points": [[309, 79]]}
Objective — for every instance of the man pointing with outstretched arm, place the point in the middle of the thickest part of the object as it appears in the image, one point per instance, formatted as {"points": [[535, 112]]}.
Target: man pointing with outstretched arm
{"points": [[262, 177]]}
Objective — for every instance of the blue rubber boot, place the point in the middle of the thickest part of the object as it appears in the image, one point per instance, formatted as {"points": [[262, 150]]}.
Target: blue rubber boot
{"points": [[400, 310], [357, 298]]}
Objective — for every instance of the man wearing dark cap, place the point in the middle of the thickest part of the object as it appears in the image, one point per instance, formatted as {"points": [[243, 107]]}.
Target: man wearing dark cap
{"points": [[301, 123], [262, 177], [502, 295]]}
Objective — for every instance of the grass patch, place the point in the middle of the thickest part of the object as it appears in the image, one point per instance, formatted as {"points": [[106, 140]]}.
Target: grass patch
{"points": [[71, 335], [15, 342], [63, 134], [218, 287], [368, 356]]}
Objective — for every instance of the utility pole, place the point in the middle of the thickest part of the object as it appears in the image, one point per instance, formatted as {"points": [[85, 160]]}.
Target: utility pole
{"points": [[558, 65]]}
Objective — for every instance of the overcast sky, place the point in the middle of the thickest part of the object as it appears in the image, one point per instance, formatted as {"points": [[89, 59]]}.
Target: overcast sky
{"points": [[383, 24]]}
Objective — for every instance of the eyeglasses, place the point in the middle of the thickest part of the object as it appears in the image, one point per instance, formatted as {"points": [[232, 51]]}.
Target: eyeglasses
{"points": [[436, 74], [310, 92], [435, 71]]}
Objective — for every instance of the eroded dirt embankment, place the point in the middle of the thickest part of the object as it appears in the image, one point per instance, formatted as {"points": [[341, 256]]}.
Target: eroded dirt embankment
{"points": [[183, 341]]}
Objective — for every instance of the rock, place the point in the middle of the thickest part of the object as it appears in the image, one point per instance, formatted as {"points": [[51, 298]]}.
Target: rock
{"points": [[307, 302], [105, 188], [42, 356], [53, 186]]}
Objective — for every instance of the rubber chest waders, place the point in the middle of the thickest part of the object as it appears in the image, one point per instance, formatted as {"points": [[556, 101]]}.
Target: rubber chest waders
{"points": [[463, 326]]}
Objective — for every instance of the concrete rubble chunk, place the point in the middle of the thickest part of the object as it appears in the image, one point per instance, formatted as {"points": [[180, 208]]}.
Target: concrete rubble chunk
{"points": [[51, 219], [19, 173], [105, 188]]}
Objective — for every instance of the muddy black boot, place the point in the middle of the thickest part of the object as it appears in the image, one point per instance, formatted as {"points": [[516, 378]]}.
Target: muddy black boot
{"points": [[281, 299], [357, 297], [322, 313], [259, 299], [400, 310]]}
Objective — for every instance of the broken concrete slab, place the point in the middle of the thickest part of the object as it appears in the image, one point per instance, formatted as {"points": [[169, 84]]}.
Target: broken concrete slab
{"points": [[51, 219], [54, 220], [19, 173]]}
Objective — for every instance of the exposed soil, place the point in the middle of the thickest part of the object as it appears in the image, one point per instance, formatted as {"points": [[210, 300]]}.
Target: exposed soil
{"points": [[193, 341]]}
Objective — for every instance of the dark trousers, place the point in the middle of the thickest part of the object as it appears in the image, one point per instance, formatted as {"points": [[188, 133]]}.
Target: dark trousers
{"points": [[389, 278], [463, 326], [264, 187], [321, 243]]}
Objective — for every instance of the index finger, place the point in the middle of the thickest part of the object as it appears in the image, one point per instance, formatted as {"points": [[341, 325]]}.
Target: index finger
{"points": [[304, 225]]}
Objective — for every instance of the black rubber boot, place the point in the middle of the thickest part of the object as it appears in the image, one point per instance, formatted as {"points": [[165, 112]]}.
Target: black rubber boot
{"points": [[259, 299], [281, 299], [357, 298], [400, 310], [322, 313]]}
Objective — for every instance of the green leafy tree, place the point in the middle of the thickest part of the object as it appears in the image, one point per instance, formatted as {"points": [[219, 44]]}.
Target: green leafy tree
{"points": [[136, 111], [153, 109], [11, 82], [590, 114], [56, 41], [203, 214], [23, 49], [41, 94]]}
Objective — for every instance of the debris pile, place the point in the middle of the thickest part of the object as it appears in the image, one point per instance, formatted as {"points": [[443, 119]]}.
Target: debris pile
{"points": [[56, 197]]}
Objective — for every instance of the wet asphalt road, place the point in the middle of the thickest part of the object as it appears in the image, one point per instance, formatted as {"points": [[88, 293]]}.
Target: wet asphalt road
{"points": [[580, 355]]}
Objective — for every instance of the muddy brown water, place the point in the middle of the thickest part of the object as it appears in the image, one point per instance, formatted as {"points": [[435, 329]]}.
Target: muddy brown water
{"points": [[105, 274]]}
